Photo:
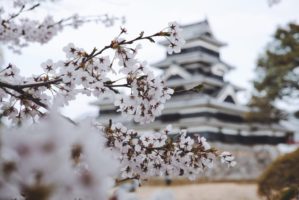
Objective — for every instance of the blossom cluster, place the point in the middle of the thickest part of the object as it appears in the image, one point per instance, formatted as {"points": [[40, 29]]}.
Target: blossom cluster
{"points": [[159, 154], [147, 99], [18, 32], [82, 72], [55, 160], [176, 40]]}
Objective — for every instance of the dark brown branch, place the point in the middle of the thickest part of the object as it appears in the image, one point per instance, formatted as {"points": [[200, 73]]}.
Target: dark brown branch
{"points": [[22, 10], [30, 85], [40, 84], [24, 95], [8, 92], [121, 181], [120, 85]]}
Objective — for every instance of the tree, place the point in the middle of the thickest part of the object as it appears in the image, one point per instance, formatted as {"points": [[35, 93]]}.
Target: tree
{"points": [[278, 75], [57, 158], [278, 183]]}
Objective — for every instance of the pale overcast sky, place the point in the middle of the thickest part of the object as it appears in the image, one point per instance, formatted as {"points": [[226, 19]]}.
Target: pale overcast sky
{"points": [[245, 25]]}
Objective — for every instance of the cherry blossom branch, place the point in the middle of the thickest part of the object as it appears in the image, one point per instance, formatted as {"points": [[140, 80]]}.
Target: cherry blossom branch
{"points": [[115, 44], [23, 95], [17, 32], [31, 85], [156, 154], [22, 10], [86, 73]]}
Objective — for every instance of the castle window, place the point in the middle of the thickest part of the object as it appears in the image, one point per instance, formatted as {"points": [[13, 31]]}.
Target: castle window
{"points": [[229, 99]]}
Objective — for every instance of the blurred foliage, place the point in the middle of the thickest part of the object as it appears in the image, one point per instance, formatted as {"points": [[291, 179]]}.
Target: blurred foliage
{"points": [[280, 181], [277, 75], [267, 113]]}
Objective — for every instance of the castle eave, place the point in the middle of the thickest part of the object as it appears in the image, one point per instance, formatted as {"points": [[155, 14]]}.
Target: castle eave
{"points": [[187, 58]]}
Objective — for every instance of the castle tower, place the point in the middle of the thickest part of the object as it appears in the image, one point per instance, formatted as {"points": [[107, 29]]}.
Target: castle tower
{"points": [[213, 112]]}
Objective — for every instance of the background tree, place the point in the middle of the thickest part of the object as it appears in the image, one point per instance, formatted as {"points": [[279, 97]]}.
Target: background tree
{"points": [[278, 75], [277, 182]]}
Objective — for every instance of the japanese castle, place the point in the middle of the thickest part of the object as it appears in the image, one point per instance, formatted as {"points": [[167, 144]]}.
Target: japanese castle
{"points": [[214, 111]]}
